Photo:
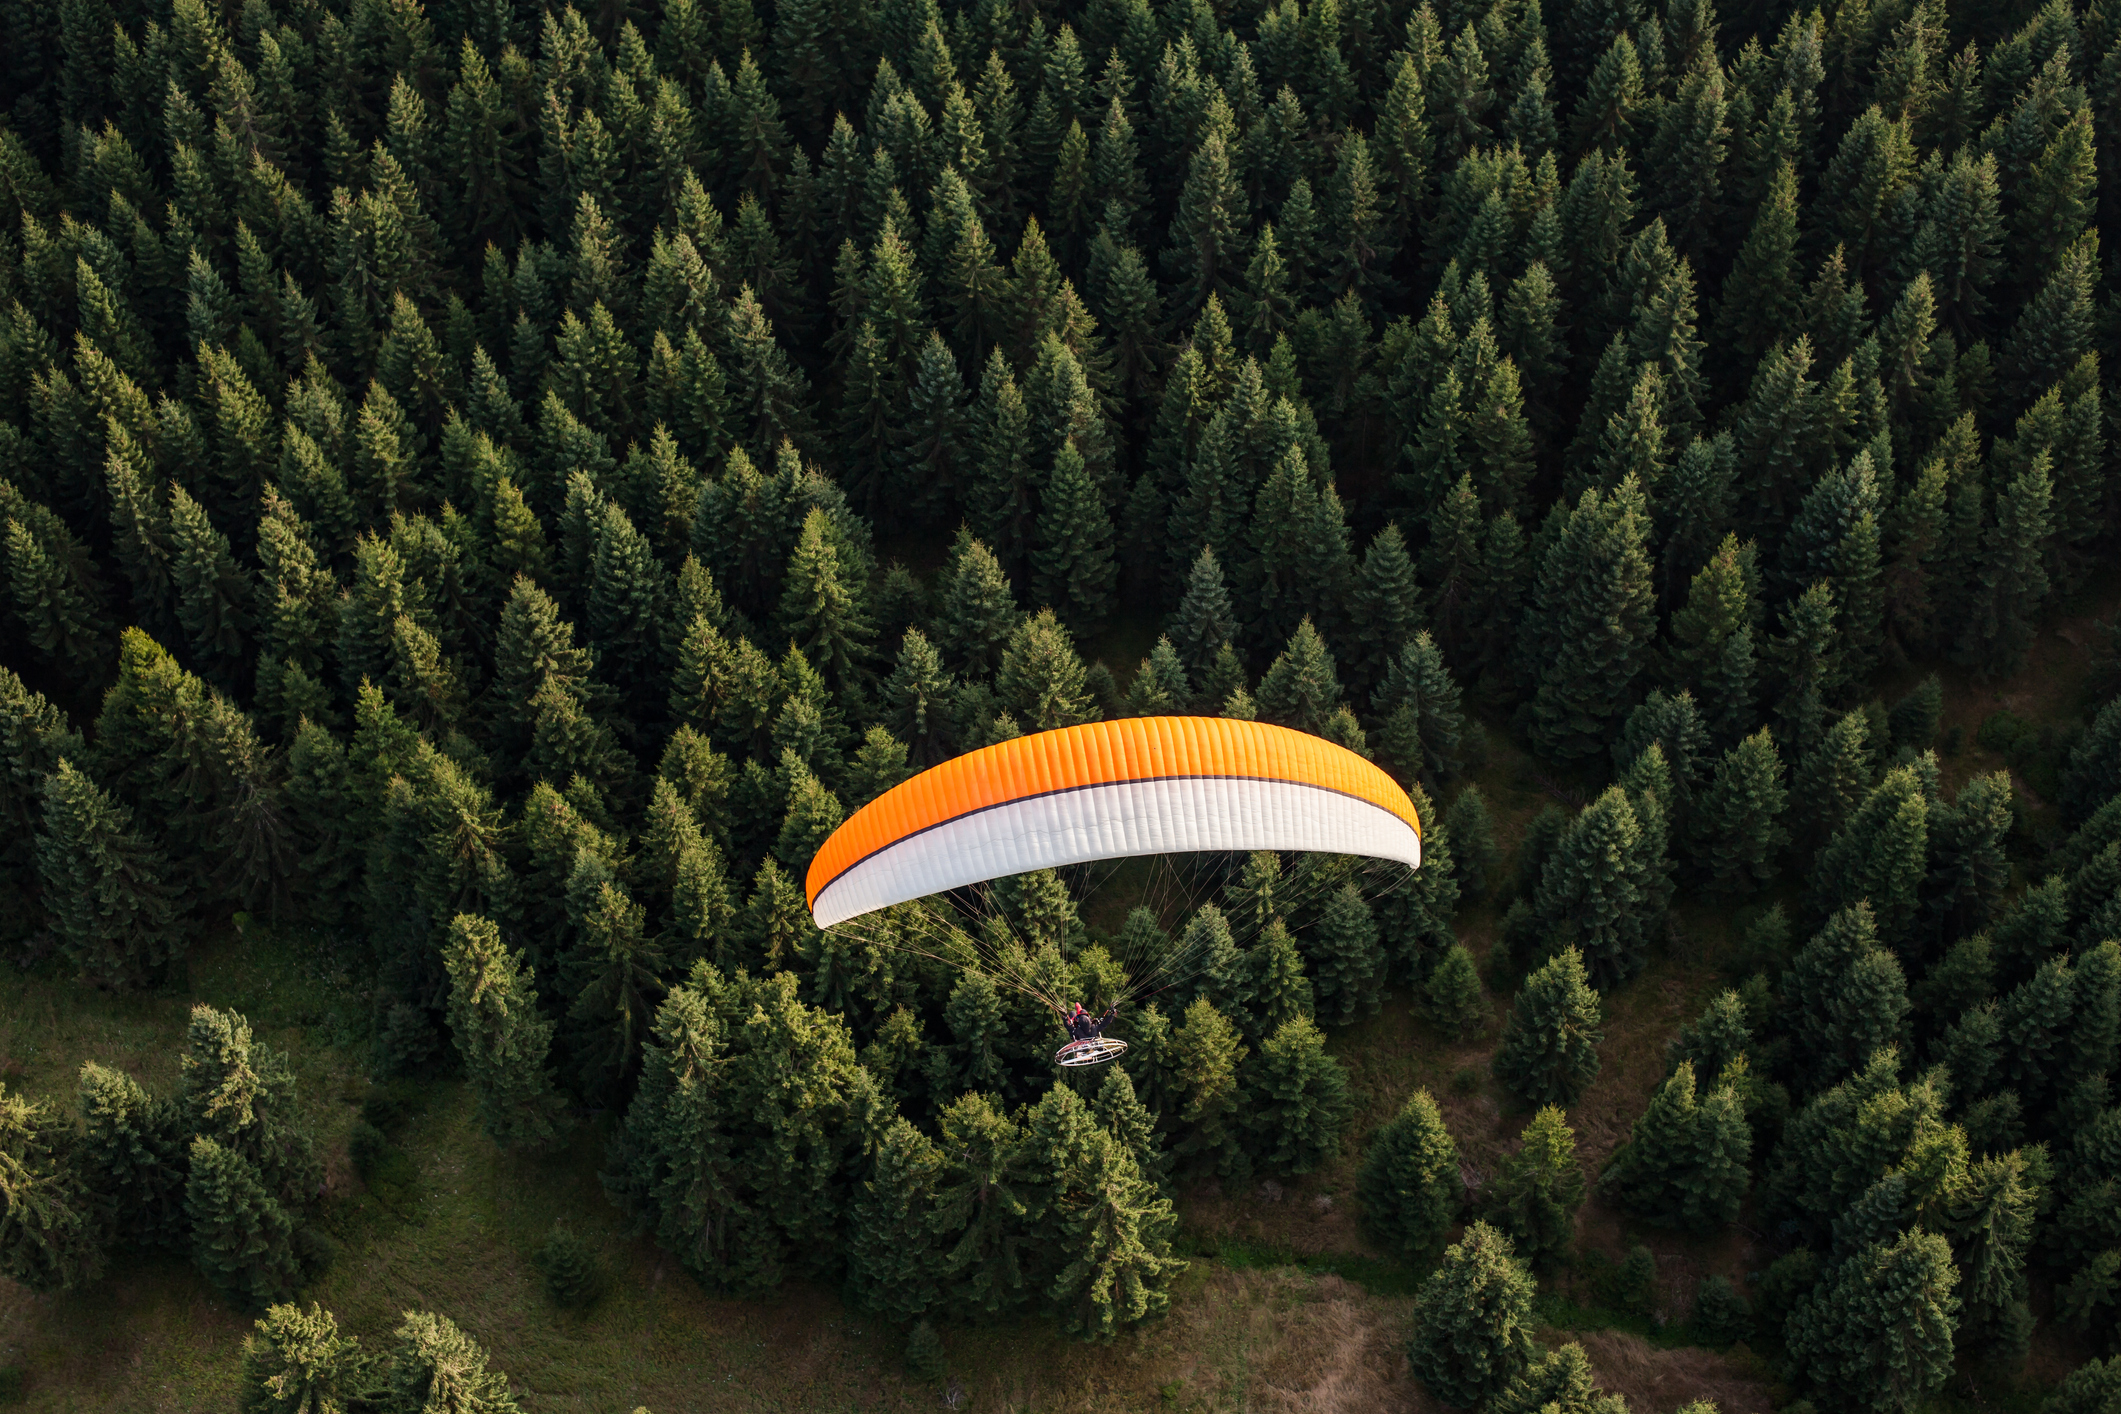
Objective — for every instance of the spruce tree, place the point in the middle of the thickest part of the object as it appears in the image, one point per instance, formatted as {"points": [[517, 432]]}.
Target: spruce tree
{"points": [[1041, 678], [1301, 689], [1472, 1321], [1204, 620], [435, 1365], [1588, 629], [893, 1261], [1409, 1184], [48, 1232], [1735, 834], [1685, 1163], [1076, 573], [1535, 1194], [1347, 963], [503, 1040], [1561, 1379], [1422, 723], [242, 1239], [1451, 995], [117, 916], [1297, 1102], [1877, 1333], [1206, 1055], [1599, 891], [1549, 1051], [976, 613], [131, 1158], [296, 1362]]}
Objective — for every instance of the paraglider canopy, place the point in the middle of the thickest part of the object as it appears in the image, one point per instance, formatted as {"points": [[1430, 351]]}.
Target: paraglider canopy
{"points": [[1109, 790]]}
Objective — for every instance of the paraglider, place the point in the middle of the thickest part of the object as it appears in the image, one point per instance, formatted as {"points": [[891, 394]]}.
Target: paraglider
{"points": [[1107, 791]]}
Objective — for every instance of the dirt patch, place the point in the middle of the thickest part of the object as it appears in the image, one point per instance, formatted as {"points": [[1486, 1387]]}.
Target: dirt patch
{"points": [[1331, 1347], [1658, 1381]]}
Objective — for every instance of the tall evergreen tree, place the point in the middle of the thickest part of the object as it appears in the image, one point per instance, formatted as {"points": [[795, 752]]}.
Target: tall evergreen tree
{"points": [[118, 917], [1472, 1332], [1536, 1193], [494, 1017], [1549, 1051], [1588, 628], [1409, 1184]]}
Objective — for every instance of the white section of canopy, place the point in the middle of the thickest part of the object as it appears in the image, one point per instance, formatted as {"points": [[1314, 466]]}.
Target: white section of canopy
{"points": [[1179, 815]]}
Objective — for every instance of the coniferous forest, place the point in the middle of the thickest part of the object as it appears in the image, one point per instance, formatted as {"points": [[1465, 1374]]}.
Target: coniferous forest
{"points": [[488, 489]]}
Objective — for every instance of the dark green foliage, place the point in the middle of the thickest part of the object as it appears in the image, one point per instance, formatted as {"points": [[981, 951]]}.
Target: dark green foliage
{"points": [[924, 1353], [242, 1239], [1635, 1284], [1296, 1098], [1451, 995], [413, 429], [1589, 624], [1685, 1163], [1409, 1183], [1721, 1316], [500, 1035], [1535, 1196], [48, 1236], [1877, 1333], [1347, 962], [296, 1362], [1549, 1051], [116, 913], [131, 1158], [1735, 834], [573, 1276], [437, 1366], [1559, 1379], [1472, 1321], [1422, 726], [1474, 854]]}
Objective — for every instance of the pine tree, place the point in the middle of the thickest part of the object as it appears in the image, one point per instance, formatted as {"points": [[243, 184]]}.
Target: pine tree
{"points": [[1409, 1184], [1301, 689], [1347, 963], [242, 1239], [1535, 1195], [2012, 582], [437, 1366], [821, 607], [48, 1236], [1041, 678], [1736, 834], [1847, 994], [893, 1261], [1599, 893], [1877, 1332], [1685, 1163], [117, 916], [1075, 567], [976, 615], [1419, 702], [1098, 1207], [1549, 1052], [1473, 1317], [494, 1017], [1205, 619], [1451, 995], [131, 1158], [296, 1362], [1589, 625], [1206, 1056]]}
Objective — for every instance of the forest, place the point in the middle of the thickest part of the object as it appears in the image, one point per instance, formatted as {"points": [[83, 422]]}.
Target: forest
{"points": [[489, 489]]}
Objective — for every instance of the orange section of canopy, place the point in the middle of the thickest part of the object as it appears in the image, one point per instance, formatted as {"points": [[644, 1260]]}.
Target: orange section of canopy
{"points": [[1095, 754]]}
